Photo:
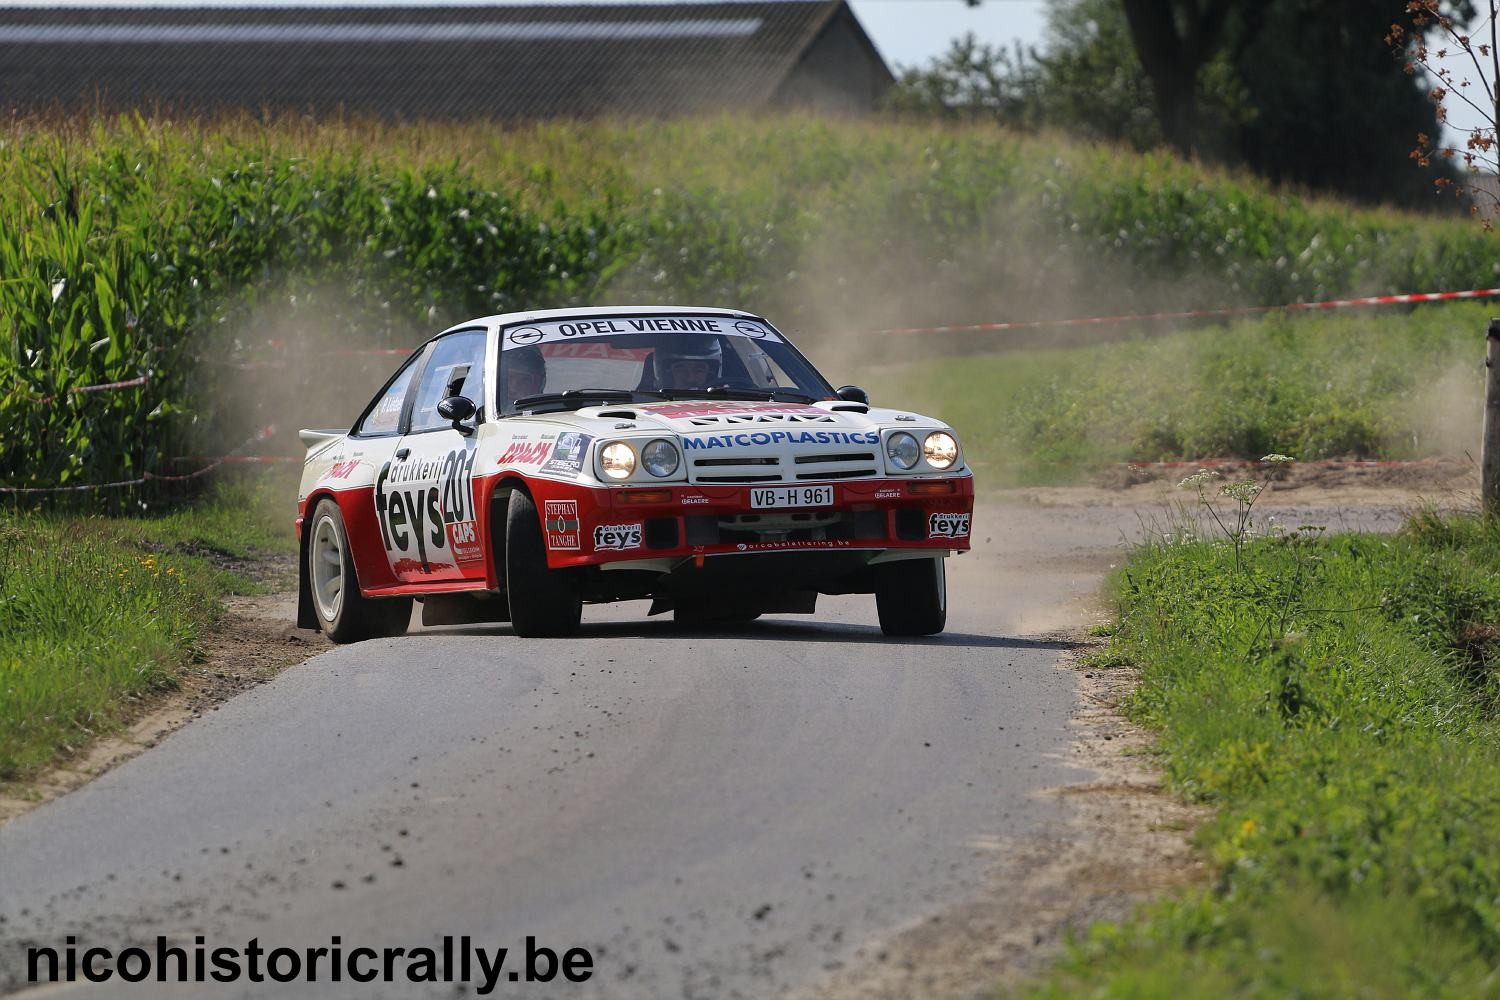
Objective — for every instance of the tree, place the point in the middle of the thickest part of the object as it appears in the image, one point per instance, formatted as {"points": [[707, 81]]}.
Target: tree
{"points": [[971, 79], [1301, 91], [1463, 73], [1332, 110], [1174, 40]]}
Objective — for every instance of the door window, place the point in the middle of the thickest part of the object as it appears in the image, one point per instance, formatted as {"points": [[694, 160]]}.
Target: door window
{"points": [[384, 414], [456, 368]]}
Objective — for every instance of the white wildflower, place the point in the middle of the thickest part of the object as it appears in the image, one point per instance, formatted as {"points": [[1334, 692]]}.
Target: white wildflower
{"points": [[1244, 491], [1198, 478]]}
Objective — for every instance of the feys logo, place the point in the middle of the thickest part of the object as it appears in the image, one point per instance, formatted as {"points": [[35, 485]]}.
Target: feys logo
{"points": [[948, 525], [561, 518], [617, 536], [417, 505]]}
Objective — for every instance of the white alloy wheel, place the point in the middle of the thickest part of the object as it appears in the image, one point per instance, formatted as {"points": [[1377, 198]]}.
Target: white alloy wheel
{"points": [[327, 565]]}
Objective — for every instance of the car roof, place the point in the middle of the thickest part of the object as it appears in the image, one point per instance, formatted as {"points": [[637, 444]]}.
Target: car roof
{"points": [[585, 312]]}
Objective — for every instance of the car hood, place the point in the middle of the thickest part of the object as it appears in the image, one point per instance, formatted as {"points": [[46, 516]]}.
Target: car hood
{"points": [[690, 417]]}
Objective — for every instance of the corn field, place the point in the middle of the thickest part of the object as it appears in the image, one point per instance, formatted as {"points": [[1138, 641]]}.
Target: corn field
{"points": [[152, 251]]}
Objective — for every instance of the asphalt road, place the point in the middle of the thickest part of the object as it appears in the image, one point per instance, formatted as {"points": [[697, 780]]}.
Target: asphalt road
{"points": [[710, 814], [729, 814]]}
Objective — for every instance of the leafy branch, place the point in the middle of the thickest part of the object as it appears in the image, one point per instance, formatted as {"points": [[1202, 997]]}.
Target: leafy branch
{"points": [[1437, 31]]}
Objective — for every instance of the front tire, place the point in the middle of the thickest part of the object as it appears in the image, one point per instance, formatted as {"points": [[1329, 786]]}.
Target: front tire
{"points": [[344, 614], [544, 602], [911, 597]]}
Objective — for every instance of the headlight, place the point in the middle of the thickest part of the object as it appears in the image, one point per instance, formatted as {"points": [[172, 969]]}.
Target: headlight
{"points": [[660, 458], [941, 449], [902, 450], [618, 460]]}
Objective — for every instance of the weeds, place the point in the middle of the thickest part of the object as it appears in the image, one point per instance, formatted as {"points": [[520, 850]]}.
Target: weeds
{"points": [[1350, 747], [98, 613]]}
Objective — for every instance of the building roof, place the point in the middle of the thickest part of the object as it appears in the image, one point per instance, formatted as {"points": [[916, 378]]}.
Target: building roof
{"points": [[424, 62]]}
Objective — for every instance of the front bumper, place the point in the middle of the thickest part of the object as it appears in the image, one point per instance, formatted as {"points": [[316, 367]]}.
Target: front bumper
{"points": [[618, 526]]}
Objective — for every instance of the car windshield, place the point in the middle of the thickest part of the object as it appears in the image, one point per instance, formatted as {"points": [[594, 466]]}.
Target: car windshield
{"points": [[578, 362]]}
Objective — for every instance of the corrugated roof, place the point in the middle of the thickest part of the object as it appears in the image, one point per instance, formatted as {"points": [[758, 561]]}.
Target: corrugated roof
{"points": [[444, 62]]}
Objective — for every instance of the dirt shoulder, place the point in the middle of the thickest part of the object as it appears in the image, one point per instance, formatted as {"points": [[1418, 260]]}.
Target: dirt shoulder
{"points": [[1125, 841], [253, 641]]}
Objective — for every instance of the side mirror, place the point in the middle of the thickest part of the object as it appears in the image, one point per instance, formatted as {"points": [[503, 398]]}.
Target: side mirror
{"points": [[853, 394], [458, 409]]}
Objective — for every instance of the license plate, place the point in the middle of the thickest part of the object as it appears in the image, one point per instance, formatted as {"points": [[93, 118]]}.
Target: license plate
{"points": [[791, 496]]}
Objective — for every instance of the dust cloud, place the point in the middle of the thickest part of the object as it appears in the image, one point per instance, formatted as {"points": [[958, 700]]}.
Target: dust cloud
{"points": [[312, 357], [1444, 416]]}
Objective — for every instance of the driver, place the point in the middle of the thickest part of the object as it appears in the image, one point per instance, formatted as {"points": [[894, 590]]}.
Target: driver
{"points": [[689, 363], [525, 372]]}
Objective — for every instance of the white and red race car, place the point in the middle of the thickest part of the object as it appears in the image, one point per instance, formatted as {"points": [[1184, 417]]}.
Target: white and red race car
{"points": [[519, 466]]}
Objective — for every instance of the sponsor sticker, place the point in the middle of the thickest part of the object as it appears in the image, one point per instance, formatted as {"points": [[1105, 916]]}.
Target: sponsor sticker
{"points": [[568, 331], [463, 538], [708, 442], [568, 452], [800, 543], [713, 408], [948, 525], [617, 536], [561, 518], [525, 453], [420, 506]]}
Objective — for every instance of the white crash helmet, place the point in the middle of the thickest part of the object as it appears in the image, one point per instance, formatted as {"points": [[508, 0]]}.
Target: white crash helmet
{"points": [[706, 349]]}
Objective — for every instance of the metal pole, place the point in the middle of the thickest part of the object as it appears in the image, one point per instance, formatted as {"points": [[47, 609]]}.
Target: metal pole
{"points": [[1489, 461]]}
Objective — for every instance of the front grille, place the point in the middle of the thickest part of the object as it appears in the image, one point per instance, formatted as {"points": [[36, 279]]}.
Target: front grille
{"points": [[848, 456], [843, 465], [746, 469], [739, 479]]}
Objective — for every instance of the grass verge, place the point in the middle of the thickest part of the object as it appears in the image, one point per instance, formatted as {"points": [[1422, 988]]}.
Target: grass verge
{"points": [[97, 614], [1335, 699], [1386, 385]]}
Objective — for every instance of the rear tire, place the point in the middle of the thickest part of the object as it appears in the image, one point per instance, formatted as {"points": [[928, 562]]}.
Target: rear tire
{"points": [[543, 601], [344, 614], [911, 597]]}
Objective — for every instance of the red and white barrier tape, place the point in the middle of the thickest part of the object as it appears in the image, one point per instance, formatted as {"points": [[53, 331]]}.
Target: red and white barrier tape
{"points": [[1320, 463], [265, 433], [129, 383], [1034, 324], [1369, 300], [238, 459]]}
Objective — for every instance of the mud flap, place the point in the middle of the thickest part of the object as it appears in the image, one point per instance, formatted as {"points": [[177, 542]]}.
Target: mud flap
{"points": [[307, 615]]}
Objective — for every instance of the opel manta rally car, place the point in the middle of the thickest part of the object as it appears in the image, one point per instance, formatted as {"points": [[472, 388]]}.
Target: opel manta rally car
{"points": [[519, 466]]}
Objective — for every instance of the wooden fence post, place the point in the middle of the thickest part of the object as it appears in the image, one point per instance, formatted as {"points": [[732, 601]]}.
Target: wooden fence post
{"points": [[1489, 460]]}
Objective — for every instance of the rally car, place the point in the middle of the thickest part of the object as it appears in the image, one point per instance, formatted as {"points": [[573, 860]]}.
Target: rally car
{"points": [[519, 466]]}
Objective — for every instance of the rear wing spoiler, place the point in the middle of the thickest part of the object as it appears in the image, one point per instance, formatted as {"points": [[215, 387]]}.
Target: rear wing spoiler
{"points": [[316, 438]]}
